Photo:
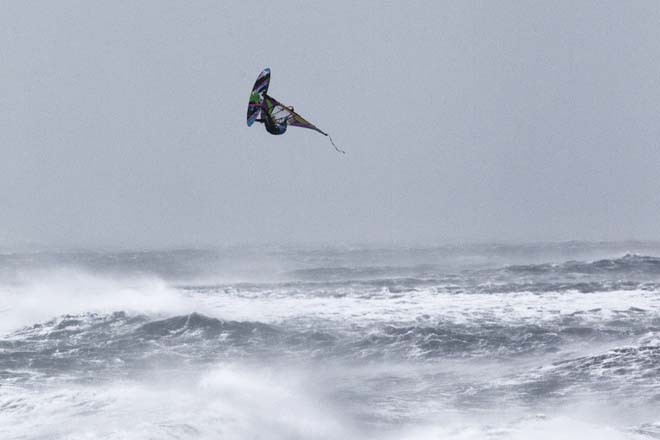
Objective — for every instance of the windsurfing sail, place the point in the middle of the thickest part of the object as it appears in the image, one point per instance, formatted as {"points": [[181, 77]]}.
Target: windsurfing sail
{"points": [[260, 101]]}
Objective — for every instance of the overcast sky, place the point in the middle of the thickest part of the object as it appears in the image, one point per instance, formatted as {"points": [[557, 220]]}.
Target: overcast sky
{"points": [[123, 123]]}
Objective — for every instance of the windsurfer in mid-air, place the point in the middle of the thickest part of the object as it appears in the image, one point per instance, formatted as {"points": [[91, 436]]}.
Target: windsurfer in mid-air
{"points": [[276, 116]]}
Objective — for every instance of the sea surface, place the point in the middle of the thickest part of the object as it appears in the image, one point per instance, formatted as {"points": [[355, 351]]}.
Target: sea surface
{"points": [[538, 341]]}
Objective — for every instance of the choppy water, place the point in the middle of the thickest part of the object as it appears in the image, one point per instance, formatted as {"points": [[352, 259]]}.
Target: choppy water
{"points": [[473, 342]]}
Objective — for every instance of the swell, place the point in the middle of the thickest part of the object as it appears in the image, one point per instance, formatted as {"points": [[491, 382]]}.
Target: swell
{"points": [[120, 342], [627, 371], [629, 264]]}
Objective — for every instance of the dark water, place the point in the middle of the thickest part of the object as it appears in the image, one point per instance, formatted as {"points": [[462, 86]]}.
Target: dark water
{"points": [[467, 342]]}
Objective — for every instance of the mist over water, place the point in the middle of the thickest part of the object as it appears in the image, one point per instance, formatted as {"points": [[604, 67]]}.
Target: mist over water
{"points": [[462, 342]]}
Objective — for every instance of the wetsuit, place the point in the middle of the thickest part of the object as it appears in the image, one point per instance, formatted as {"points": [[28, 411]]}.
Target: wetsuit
{"points": [[271, 126]]}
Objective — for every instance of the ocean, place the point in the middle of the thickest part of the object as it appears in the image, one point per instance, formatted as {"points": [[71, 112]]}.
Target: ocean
{"points": [[474, 341]]}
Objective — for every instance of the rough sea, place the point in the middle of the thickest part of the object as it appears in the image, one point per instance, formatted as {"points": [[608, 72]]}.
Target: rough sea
{"points": [[542, 341]]}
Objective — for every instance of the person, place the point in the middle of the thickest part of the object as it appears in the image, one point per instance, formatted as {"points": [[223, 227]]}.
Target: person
{"points": [[272, 127]]}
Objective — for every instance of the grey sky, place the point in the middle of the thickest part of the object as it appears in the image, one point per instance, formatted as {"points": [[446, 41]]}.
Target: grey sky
{"points": [[123, 123]]}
